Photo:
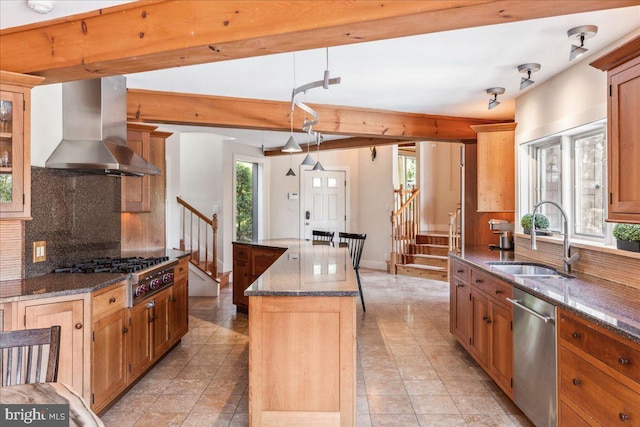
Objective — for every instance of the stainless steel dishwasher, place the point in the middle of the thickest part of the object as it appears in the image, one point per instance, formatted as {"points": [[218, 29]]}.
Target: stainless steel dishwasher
{"points": [[534, 358]]}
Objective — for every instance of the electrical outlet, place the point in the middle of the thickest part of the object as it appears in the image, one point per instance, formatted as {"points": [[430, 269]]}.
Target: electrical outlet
{"points": [[39, 251]]}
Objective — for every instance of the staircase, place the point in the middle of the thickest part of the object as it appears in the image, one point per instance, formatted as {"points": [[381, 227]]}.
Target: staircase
{"points": [[199, 235], [419, 254], [427, 257]]}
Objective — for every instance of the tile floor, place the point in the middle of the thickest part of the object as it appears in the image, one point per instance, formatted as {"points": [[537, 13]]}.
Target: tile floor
{"points": [[411, 371]]}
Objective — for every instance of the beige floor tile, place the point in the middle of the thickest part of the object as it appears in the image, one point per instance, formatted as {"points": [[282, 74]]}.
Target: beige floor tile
{"points": [[430, 420], [173, 403], [477, 405], [425, 388], [121, 418], [394, 420], [385, 387], [202, 372], [188, 386], [196, 419], [434, 405], [161, 419], [521, 421], [390, 405], [466, 387], [217, 403], [239, 420], [148, 385], [487, 420]]}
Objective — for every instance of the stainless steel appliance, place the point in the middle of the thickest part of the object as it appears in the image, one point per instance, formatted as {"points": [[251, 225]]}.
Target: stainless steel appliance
{"points": [[505, 229], [147, 275], [534, 358]]}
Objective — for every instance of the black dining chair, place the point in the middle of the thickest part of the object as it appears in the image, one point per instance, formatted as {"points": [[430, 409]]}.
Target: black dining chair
{"points": [[355, 244], [322, 237], [22, 352]]}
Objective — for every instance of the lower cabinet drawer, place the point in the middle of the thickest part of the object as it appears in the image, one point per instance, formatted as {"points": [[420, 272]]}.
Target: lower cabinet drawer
{"points": [[619, 356], [602, 397], [570, 418], [109, 302]]}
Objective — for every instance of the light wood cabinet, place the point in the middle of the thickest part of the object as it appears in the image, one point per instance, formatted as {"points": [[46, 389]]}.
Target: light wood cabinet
{"points": [[599, 375], [623, 130], [179, 302], [108, 345], [496, 167], [138, 341], [249, 262], [15, 144], [72, 316], [136, 191], [481, 320], [160, 324]]}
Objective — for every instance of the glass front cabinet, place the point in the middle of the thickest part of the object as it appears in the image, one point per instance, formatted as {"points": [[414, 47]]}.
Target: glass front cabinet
{"points": [[15, 152]]}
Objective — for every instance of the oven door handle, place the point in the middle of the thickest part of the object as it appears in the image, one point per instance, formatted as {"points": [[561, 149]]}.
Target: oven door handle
{"points": [[517, 303]]}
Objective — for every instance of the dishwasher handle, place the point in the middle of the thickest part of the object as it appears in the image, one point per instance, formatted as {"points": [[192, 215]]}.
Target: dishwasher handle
{"points": [[517, 303]]}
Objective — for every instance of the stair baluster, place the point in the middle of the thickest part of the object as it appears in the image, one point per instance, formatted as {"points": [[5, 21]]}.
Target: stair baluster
{"points": [[200, 242]]}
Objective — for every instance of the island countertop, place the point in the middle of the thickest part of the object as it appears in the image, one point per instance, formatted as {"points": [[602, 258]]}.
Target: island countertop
{"points": [[305, 269]]}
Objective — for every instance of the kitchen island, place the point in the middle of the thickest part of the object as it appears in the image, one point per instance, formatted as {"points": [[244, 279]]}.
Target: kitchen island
{"points": [[302, 338]]}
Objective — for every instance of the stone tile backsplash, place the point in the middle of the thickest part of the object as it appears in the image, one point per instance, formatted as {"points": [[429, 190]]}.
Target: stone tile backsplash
{"points": [[77, 214]]}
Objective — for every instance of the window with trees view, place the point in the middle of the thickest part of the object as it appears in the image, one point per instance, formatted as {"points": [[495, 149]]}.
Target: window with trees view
{"points": [[246, 201], [570, 168], [407, 170]]}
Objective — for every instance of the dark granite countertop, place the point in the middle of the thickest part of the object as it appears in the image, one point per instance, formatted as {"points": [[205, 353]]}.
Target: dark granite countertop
{"points": [[609, 304], [305, 269], [61, 284]]}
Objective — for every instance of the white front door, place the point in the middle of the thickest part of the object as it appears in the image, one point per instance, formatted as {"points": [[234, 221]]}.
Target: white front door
{"points": [[324, 204]]}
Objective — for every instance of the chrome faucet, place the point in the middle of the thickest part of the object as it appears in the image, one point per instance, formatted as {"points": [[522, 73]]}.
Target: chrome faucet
{"points": [[566, 245]]}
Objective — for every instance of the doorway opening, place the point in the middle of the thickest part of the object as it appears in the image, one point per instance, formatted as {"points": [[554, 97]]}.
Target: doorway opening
{"points": [[247, 201]]}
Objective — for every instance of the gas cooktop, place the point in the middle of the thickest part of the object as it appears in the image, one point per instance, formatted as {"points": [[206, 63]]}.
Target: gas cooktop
{"points": [[113, 265]]}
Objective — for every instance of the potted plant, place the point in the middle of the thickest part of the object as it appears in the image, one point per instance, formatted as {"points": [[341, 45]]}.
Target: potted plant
{"points": [[627, 237], [542, 222]]}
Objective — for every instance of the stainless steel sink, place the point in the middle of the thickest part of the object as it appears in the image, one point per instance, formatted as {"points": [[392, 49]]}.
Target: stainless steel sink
{"points": [[524, 269]]}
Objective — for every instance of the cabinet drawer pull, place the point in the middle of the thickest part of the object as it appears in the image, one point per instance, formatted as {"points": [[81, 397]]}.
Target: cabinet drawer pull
{"points": [[461, 285], [125, 330], [623, 416], [479, 280], [576, 381], [485, 318], [623, 361], [575, 335], [498, 291], [460, 271], [78, 325], [112, 300]]}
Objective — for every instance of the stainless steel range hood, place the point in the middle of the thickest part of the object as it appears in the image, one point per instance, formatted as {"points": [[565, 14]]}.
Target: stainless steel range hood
{"points": [[94, 130]]}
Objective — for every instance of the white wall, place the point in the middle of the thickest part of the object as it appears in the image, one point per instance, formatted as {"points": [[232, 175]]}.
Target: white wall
{"points": [[439, 183]]}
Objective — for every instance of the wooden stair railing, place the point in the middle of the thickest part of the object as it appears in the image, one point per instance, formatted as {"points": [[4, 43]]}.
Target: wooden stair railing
{"points": [[201, 238], [405, 220], [455, 230]]}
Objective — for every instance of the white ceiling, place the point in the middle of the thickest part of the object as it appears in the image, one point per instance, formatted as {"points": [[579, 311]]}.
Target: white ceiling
{"points": [[442, 73]]}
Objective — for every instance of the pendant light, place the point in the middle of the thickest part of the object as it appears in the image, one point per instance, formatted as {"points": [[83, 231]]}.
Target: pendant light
{"points": [[292, 146], [308, 160], [318, 165], [290, 172]]}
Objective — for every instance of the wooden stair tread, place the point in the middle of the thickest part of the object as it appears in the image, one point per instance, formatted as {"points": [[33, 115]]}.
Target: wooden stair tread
{"points": [[431, 245], [423, 267], [429, 256]]}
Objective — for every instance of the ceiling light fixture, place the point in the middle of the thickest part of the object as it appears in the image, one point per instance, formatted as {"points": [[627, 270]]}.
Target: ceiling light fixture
{"points": [[495, 91], [292, 146], [41, 6], [580, 33], [525, 82], [308, 160], [318, 165], [290, 172]]}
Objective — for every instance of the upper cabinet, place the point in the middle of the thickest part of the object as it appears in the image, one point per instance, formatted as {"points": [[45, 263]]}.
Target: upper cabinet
{"points": [[15, 144], [136, 191], [623, 157], [496, 167]]}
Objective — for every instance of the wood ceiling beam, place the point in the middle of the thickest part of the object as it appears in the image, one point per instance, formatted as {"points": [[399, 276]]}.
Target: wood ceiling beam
{"points": [[152, 35], [340, 144], [244, 113]]}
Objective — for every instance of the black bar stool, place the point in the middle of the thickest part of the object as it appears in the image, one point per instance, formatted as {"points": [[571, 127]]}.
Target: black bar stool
{"points": [[354, 243], [322, 237]]}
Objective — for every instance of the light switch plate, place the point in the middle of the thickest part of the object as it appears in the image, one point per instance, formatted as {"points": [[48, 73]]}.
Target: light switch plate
{"points": [[39, 251]]}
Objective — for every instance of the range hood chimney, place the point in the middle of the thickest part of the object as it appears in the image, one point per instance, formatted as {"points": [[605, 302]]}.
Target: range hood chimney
{"points": [[94, 130]]}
